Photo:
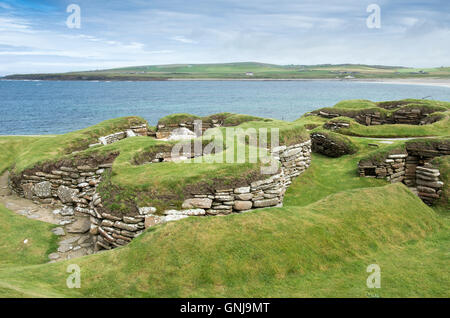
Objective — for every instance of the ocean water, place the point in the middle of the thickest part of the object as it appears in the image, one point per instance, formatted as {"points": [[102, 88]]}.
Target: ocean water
{"points": [[54, 107]]}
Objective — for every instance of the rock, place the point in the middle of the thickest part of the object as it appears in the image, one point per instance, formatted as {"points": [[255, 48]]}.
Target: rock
{"points": [[43, 189], [152, 220], [129, 219], [126, 226], [64, 248], [53, 256], [265, 203], [28, 190], [58, 231], [70, 240], [397, 156], [67, 211], [93, 229], [242, 190], [169, 218], [189, 212], [81, 225], [181, 133], [244, 197], [242, 205], [201, 203], [147, 210]]}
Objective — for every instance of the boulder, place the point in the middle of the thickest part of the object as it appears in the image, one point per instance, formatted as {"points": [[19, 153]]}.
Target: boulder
{"points": [[81, 225], [66, 194], [201, 203], [242, 205], [242, 190], [43, 189]]}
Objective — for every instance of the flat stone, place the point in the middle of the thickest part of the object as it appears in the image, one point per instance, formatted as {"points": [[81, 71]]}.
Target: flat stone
{"points": [[58, 231], [147, 210], [53, 256], [244, 197], [242, 190], [169, 218], [70, 240], [265, 203], [201, 203], [64, 248], [81, 225], [126, 226]]}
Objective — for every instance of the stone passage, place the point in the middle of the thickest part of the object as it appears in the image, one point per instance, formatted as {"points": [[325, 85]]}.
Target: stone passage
{"points": [[411, 166]]}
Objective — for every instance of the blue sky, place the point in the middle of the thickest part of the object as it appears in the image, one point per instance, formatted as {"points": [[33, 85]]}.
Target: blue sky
{"points": [[34, 36]]}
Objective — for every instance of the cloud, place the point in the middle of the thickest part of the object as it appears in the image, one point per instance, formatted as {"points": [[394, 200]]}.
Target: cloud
{"points": [[34, 38], [182, 39]]}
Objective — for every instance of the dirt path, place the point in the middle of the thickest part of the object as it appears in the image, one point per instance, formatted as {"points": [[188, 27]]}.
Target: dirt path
{"points": [[75, 239]]}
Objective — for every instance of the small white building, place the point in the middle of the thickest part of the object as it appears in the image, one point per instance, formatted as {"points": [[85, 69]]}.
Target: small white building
{"points": [[249, 73]]}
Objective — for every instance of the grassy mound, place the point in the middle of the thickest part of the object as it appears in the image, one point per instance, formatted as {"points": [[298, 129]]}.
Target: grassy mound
{"points": [[285, 252]]}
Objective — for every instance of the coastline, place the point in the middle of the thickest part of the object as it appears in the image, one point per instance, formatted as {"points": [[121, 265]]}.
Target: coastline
{"points": [[439, 82]]}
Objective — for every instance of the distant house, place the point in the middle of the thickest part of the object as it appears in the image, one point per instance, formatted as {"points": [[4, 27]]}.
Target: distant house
{"points": [[349, 77], [249, 74]]}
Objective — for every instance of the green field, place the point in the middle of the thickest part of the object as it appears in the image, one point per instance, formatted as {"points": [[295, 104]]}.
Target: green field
{"points": [[244, 70], [332, 225]]}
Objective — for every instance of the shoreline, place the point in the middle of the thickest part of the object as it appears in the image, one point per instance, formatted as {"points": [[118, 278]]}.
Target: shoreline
{"points": [[439, 82]]}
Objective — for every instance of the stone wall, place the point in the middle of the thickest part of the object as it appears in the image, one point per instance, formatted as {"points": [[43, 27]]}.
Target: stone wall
{"points": [[413, 167], [74, 188], [140, 130], [392, 168], [165, 130], [410, 116]]}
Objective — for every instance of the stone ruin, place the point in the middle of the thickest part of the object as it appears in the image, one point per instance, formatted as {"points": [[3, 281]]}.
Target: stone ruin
{"points": [[412, 166]]}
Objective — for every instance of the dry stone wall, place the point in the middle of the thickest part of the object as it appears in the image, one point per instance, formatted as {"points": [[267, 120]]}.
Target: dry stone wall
{"points": [[74, 188], [413, 167], [140, 130]]}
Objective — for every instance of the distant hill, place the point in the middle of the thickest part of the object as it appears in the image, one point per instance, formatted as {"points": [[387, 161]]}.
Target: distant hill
{"points": [[242, 70]]}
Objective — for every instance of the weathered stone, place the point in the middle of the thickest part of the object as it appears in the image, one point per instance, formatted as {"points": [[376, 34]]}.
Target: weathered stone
{"points": [[81, 225], [152, 220], [43, 189], [242, 190], [126, 226], [28, 190], [243, 205], [59, 231], [201, 203], [129, 219], [147, 210], [53, 256], [67, 211], [111, 217], [265, 203], [244, 197], [169, 218], [107, 223], [66, 194]]}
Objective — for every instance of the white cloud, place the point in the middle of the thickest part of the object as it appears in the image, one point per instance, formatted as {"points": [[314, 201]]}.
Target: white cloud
{"points": [[182, 39]]}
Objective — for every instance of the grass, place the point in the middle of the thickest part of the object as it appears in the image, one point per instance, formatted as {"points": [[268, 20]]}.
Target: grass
{"points": [[348, 109], [14, 230], [240, 70], [333, 224]]}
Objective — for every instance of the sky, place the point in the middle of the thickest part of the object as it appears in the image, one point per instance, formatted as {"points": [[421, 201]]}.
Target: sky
{"points": [[35, 38]]}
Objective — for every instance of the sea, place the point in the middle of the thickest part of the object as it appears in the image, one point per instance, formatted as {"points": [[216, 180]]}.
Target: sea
{"points": [[56, 107]]}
